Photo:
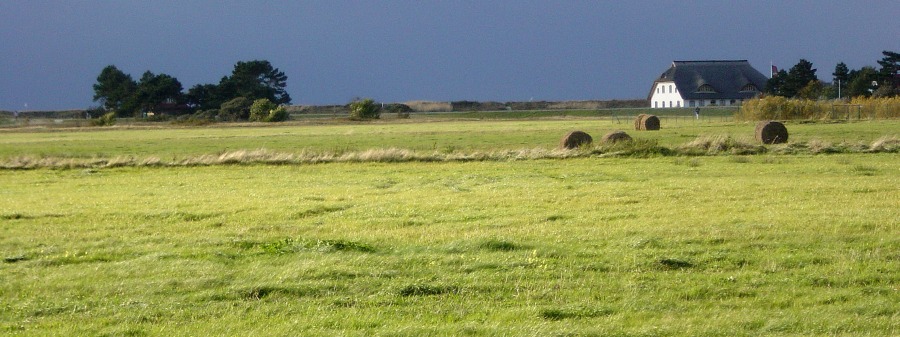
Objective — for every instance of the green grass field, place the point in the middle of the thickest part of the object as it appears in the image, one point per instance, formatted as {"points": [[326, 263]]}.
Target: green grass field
{"points": [[725, 245]]}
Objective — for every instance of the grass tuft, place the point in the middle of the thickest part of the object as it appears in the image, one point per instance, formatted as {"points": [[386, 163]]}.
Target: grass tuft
{"points": [[427, 290], [496, 245], [558, 314], [673, 264]]}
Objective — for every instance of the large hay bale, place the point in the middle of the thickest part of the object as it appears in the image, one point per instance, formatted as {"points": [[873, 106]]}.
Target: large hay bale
{"points": [[616, 136], [650, 123], [638, 120], [771, 132], [575, 139]]}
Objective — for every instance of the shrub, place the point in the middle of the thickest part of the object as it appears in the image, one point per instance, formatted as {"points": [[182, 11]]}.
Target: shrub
{"points": [[278, 114], [402, 110], [235, 109], [107, 119], [260, 109], [364, 109]]}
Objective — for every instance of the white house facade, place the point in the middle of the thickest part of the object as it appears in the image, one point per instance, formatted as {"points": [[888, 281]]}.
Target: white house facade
{"points": [[667, 96], [706, 83]]}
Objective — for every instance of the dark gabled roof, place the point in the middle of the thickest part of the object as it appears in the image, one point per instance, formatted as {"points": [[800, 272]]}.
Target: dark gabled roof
{"points": [[726, 77]]}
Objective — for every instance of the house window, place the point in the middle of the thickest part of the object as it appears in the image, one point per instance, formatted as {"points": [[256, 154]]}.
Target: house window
{"points": [[732, 102], [679, 102], [692, 103], [750, 88], [657, 90], [706, 88], [701, 102], [671, 105], [670, 91], [655, 103]]}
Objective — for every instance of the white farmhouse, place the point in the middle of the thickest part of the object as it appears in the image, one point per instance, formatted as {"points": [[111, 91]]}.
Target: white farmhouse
{"points": [[705, 83]]}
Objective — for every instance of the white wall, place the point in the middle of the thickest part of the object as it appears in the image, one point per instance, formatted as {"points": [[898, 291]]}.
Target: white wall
{"points": [[665, 95]]}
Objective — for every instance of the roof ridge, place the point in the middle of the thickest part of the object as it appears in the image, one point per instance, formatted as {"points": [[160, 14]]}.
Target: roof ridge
{"points": [[710, 61]]}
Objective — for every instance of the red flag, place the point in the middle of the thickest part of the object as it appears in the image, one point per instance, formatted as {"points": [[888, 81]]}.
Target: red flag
{"points": [[774, 71]]}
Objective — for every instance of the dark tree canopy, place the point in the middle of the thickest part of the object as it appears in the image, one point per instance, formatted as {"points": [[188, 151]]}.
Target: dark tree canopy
{"points": [[153, 90], [255, 80], [775, 85], [114, 89], [790, 83], [890, 66], [798, 77], [861, 82], [841, 73]]}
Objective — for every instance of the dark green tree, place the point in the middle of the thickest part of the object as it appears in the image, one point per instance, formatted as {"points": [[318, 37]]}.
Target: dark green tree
{"points": [[798, 77], [862, 82], [115, 90], [841, 73], [254, 80], [775, 85], [152, 90], [889, 74], [204, 97]]}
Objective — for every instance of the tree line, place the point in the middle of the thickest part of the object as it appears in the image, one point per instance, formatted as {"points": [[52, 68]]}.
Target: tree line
{"points": [[801, 80], [232, 98]]}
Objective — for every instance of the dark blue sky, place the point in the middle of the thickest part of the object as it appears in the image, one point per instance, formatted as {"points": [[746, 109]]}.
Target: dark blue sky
{"points": [[393, 51]]}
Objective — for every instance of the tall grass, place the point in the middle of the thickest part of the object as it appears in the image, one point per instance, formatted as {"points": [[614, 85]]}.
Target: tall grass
{"points": [[781, 108]]}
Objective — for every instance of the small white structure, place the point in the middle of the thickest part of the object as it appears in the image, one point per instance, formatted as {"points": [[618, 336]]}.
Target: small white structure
{"points": [[706, 83]]}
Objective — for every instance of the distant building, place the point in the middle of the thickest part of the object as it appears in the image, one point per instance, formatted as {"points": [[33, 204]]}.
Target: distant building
{"points": [[706, 83]]}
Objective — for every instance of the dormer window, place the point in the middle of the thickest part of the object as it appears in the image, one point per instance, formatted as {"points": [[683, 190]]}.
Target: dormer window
{"points": [[706, 88], [750, 88]]}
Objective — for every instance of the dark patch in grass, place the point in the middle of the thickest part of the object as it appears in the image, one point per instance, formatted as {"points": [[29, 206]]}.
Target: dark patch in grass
{"points": [[78, 259], [557, 314], [14, 216], [14, 259], [556, 217], [260, 292], [343, 246], [289, 245], [318, 210], [281, 246], [865, 170], [20, 216], [427, 290], [182, 216], [386, 184], [672, 264], [499, 245]]}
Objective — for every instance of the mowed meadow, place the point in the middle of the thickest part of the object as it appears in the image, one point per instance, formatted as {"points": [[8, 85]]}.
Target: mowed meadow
{"points": [[675, 238]]}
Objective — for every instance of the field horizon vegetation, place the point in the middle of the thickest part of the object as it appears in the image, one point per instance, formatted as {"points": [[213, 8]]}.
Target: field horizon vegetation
{"points": [[457, 224]]}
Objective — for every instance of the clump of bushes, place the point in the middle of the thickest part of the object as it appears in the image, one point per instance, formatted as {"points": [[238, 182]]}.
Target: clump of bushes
{"points": [[364, 109], [263, 110]]}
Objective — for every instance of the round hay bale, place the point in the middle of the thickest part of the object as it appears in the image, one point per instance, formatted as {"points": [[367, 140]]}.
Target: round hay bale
{"points": [[771, 132], [650, 123], [638, 120], [575, 139], [616, 136]]}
